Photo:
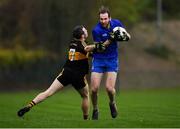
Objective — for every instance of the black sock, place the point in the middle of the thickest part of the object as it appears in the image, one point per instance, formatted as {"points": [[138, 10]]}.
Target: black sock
{"points": [[85, 117]]}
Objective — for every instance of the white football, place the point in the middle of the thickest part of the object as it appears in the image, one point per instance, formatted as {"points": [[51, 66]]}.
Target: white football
{"points": [[121, 30]]}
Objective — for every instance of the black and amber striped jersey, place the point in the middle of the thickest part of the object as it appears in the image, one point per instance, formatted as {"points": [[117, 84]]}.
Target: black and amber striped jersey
{"points": [[77, 57]]}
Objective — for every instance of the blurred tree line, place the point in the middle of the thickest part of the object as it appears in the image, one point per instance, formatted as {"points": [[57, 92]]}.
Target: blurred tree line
{"points": [[48, 24], [39, 24]]}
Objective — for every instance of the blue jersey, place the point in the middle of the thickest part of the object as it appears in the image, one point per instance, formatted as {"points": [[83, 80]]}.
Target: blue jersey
{"points": [[101, 34]]}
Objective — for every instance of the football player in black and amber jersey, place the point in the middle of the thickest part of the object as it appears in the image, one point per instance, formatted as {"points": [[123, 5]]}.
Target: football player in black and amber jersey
{"points": [[74, 72]]}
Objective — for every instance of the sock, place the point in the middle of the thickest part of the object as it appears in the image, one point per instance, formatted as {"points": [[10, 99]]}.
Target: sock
{"points": [[31, 104], [112, 102], [96, 109], [85, 117]]}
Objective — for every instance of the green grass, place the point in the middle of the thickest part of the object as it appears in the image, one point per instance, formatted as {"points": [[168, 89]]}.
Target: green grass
{"points": [[142, 108]]}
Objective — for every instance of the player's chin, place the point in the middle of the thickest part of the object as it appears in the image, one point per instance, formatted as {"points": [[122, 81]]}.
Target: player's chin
{"points": [[104, 25]]}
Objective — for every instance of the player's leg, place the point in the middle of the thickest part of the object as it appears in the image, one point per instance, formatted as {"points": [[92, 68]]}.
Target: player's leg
{"points": [[95, 83], [110, 85], [55, 86], [110, 88], [84, 92]]}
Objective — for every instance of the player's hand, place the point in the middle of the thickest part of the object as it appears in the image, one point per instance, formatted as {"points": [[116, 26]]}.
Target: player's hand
{"points": [[99, 47], [89, 48], [112, 37], [120, 34], [116, 36]]}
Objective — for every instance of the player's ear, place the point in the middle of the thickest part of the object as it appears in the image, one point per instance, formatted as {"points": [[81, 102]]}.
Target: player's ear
{"points": [[83, 36]]}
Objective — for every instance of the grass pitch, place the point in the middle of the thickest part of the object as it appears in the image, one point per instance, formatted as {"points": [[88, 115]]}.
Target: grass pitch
{"points": [[158, 108]]}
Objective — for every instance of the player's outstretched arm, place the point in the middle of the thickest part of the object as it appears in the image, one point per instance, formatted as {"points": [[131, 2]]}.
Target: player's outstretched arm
{"points": [[98, 47], [89, 48]]}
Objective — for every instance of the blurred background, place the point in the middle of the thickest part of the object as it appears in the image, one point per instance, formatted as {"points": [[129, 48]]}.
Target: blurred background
{"points": [[34, 37]]}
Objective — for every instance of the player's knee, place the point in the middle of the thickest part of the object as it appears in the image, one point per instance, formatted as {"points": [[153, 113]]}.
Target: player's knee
{"points": [[110, 89], [94, 89], [85, 94]]}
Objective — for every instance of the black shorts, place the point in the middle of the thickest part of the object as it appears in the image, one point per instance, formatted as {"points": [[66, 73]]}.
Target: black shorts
{"points": [[68, 76]]}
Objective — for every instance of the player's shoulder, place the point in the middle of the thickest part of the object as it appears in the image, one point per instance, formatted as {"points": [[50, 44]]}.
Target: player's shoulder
{"points": [[116, 22], [73, 43]]}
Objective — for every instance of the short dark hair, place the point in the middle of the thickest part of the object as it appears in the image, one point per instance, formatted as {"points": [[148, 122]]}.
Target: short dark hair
{"points": [[103, 10], [78, 31]]}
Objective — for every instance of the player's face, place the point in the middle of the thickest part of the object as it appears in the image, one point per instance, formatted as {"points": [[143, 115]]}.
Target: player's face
{"points": [[85, 32], [104, 19]]}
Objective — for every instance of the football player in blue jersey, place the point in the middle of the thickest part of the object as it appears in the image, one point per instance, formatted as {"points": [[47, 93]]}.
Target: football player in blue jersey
{"points": [[106, 62]]}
